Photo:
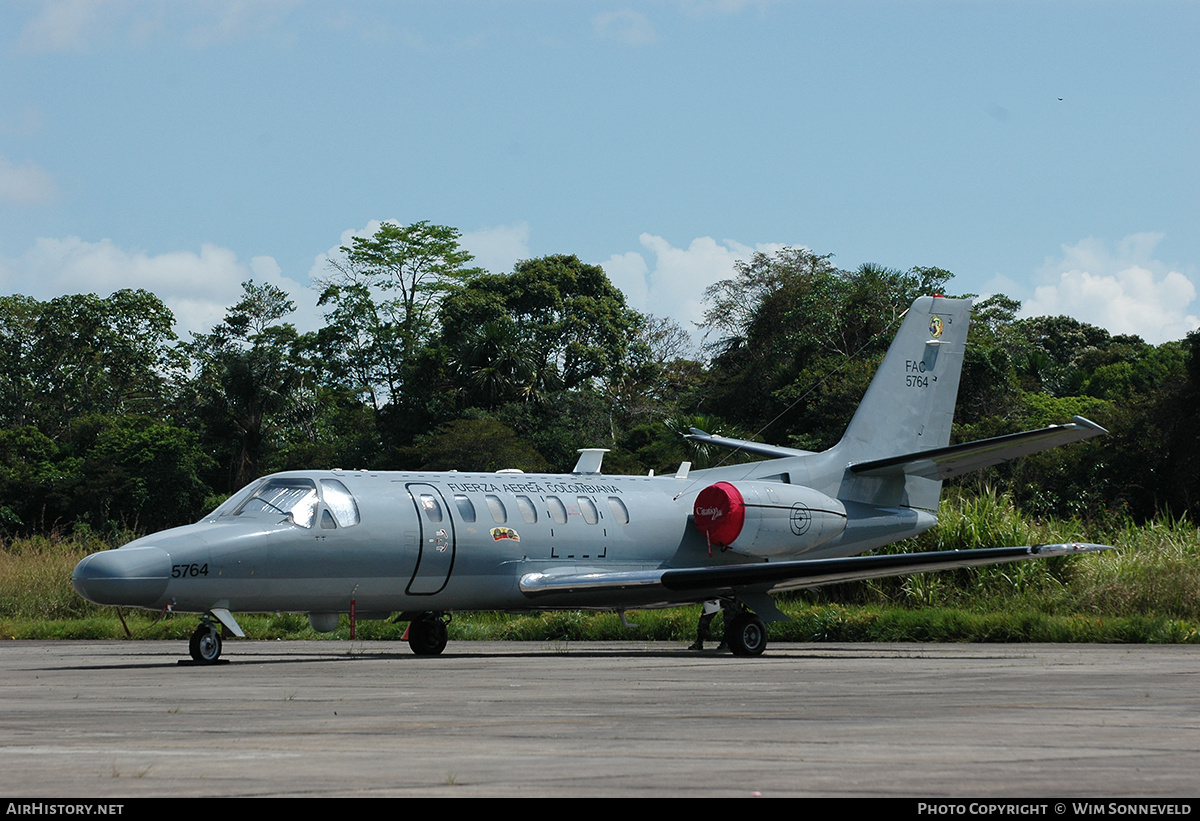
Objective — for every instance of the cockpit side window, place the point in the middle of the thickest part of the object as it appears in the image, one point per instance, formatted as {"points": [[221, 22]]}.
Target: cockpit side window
{"points": [[293, 498], [340, 501]]}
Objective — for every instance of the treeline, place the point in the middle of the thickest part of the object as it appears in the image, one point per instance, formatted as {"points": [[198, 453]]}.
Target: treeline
{"points": [[109, 422]]}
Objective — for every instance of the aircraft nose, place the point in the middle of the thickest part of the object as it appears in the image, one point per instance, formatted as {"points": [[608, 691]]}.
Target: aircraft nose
{"points": [[135, 577]]}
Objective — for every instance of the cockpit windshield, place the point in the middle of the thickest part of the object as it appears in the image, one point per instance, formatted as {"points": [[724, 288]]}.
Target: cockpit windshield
{"points": [[294, 498]]}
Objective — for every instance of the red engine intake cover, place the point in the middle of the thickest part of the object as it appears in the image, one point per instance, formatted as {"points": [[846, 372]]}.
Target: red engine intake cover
{"points": [[720, 512]]}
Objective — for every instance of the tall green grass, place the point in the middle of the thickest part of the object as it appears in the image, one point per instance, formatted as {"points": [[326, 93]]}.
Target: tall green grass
{"points": [[35, 577]]}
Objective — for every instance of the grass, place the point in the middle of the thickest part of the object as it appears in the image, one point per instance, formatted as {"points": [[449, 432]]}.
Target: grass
{"points": [[1148, 590]]}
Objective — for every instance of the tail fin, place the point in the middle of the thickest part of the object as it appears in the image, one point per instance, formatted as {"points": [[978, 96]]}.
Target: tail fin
{"points": [[909, 405]]}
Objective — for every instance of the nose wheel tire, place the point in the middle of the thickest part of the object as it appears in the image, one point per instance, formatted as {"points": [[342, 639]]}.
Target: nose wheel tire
{"points": [[427, 635], [205, 644], [747, 635]]}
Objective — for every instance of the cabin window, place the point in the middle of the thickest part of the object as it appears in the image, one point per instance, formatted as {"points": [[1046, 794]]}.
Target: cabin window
{"points": [[558, 511], [528, 511], [431, 506], [496, 507], [295, 499], [465, 509], [620, 512], [588, 508], [340, 502], [327, 522]]}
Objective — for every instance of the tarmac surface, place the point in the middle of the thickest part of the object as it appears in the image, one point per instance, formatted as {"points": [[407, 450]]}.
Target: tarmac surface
{"points": [[125, 719]]}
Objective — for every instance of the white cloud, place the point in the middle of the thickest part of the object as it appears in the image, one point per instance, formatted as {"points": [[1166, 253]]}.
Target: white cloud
{"points": [[1123, 289], [703, 8], [79, 25], [227, 20], [674, 286], [498, 249], [25, 185], [64, 25], [197, 287], [626, 26]]}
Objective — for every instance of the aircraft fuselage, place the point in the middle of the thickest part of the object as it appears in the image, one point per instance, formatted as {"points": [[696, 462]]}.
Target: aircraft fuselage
{"points": [[442, 541]]}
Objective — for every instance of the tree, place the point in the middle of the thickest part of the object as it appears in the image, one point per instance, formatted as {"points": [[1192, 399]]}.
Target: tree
{"points": [[570, 322], [658, 377], [38, 478], [80, 354], [249, 374], [18, 342], [802, 339], [139, 473], [492, 364], [382, 297], [474, 445]]}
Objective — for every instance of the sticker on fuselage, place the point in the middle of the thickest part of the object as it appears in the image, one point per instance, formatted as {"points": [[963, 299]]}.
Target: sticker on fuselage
{"points": [[935, 327], [499, 533]]}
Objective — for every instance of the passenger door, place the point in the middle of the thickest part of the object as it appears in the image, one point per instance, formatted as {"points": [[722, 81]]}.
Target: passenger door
{"points": [[435, 541]]}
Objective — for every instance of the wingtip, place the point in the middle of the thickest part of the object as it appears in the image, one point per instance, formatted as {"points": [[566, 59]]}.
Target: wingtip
{"points": [[1083, 422], [1069, 548]]}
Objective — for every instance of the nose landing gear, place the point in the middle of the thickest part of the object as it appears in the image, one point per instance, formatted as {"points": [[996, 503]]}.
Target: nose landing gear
{"points": [[205, 643]]}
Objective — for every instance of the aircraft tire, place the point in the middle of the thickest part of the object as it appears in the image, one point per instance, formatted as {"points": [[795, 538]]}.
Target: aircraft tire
{"points": [[205, 645], [747, 635], [427, 636]]}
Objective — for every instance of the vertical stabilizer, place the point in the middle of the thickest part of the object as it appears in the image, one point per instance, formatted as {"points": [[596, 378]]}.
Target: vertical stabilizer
{"points": [[909, 405]]}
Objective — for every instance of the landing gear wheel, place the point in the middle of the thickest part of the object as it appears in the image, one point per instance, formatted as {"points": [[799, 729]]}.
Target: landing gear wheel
{"points": [[747, 635], [427, 635], [205, 644]]}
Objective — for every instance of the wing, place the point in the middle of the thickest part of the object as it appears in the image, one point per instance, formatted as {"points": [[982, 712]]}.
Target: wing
{"points": [[764, 577]]}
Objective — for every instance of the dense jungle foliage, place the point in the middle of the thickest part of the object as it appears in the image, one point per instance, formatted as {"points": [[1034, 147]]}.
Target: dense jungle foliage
{"points": [[109, 423]]}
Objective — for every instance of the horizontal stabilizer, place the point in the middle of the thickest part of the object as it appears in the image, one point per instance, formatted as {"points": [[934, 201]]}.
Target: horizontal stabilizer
{"points": [[955, 460], [772, 576]]}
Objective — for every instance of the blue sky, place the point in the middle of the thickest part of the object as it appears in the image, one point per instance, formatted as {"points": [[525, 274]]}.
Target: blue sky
{"points": [[1047, 150]]}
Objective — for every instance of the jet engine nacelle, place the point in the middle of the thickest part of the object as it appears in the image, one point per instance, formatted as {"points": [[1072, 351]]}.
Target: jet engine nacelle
{"points": [[767, 519]]}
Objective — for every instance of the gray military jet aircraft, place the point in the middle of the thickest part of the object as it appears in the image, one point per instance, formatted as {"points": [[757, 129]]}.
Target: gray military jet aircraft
{"points": [[423, 545]]}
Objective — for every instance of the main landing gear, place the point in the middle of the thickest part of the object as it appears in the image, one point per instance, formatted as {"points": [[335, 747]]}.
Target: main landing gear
{"points": [[746, 634], [427, 633], [205, 643]]}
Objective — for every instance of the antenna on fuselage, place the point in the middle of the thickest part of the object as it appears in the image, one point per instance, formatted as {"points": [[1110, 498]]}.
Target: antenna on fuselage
{"points": [[589, 460]]}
